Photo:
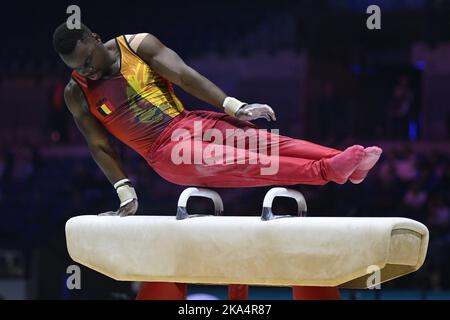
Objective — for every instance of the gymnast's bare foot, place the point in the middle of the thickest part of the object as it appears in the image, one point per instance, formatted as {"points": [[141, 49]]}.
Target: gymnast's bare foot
{"points": [[345, 163], [372, 155]]}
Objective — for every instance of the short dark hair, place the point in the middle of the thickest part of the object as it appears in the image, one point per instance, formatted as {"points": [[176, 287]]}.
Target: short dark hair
{"points": [[65, 39]]}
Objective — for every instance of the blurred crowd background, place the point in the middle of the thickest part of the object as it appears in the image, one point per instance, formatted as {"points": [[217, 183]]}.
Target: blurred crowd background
{"points": [[329, 79]]}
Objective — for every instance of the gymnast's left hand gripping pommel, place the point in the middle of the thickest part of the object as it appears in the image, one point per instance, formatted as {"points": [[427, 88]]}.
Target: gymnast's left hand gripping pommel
{"points": [[245, 111], [128, 199]]}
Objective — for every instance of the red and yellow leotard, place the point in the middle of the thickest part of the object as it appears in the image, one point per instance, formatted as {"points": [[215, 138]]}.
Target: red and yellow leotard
{"points": [[136, 105]]}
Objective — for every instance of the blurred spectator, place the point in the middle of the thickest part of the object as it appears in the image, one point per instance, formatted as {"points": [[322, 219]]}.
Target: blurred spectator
{"points": [[405, 164], [415, 198], [330, 118], [438, 213], [414, 201], [58, 120], [401, 109]]}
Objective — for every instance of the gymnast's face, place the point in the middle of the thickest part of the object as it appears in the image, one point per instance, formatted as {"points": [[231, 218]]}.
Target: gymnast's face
{"points": [[89, 58]]}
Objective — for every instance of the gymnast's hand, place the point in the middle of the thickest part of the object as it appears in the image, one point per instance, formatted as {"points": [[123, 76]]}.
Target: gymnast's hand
{"points": [[128, 199], [128, 209], [248, 111], [255, 111]]}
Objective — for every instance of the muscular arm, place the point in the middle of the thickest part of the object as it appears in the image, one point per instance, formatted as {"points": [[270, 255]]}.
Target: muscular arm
{"points": [[95, 135], [170, 66]]}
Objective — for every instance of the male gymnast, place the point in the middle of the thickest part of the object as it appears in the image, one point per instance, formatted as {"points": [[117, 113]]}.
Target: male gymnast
{"points": [[124, 87]]}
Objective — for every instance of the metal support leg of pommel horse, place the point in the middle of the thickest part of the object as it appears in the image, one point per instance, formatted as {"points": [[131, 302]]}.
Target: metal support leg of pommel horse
{"points": [[178, 291]]}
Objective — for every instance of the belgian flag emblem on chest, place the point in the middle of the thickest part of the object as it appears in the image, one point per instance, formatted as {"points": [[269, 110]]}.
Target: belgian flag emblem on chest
{"points": [[105, 107]]}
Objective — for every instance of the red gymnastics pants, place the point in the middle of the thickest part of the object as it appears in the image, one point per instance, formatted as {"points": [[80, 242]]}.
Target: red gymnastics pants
{"points": [[299, 162]]}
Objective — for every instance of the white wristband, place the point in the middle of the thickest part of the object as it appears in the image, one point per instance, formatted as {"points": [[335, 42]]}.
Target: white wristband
{"points": [[126, 194], [118, 183], [232, 105]]}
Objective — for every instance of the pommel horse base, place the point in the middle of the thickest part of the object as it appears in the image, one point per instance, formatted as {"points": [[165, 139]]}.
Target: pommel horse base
{"points": [[314, 255]]}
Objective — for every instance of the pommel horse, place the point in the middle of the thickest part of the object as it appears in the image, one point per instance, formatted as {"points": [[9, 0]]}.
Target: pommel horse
{"points": [[314, 255]]}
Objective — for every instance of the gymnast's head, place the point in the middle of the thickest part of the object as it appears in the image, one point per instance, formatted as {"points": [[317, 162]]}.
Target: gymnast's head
{"points": [[81, 50]]}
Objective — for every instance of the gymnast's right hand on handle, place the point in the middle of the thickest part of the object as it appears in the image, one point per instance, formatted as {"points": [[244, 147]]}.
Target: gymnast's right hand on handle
{"points": [[128, 200], [248, 112]]}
